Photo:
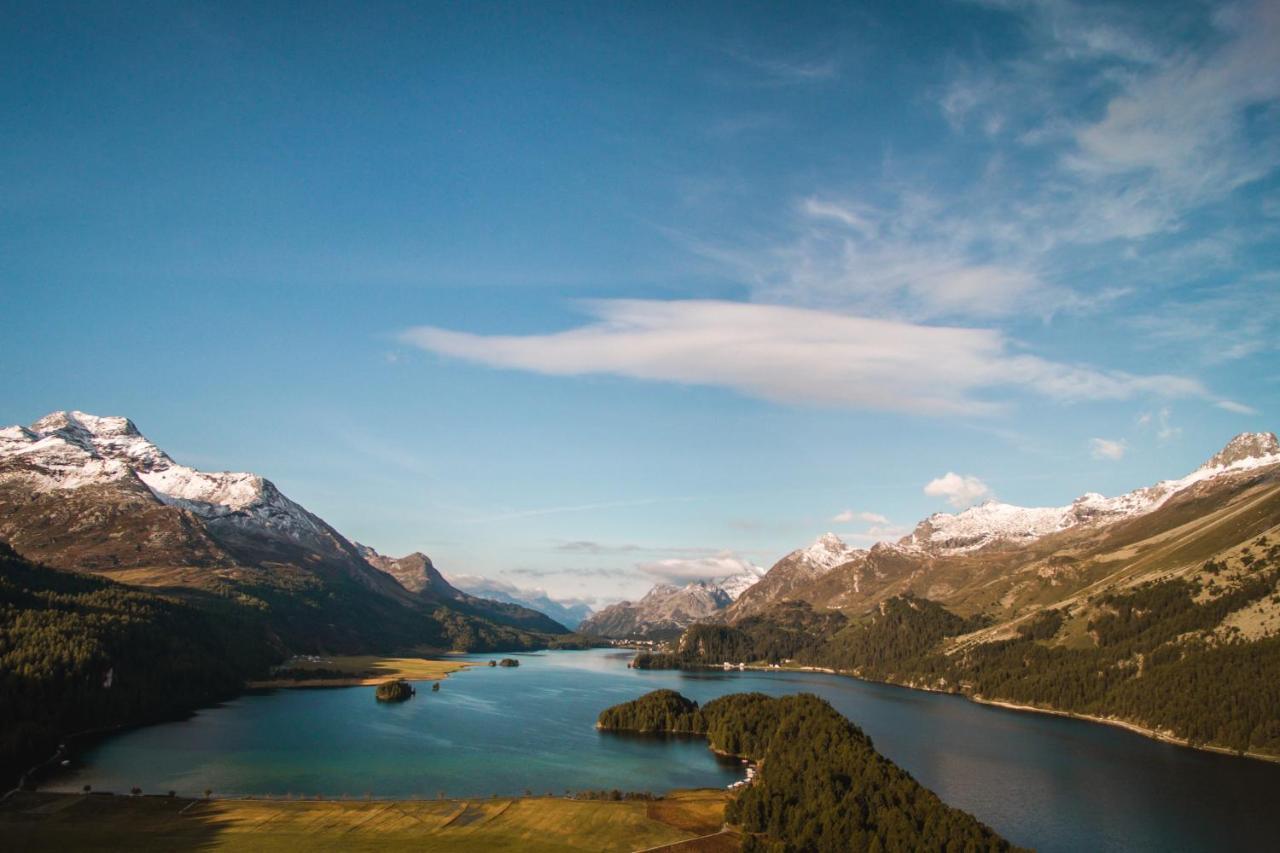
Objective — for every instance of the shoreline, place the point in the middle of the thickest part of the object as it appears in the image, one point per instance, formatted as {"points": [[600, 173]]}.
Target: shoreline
{"points": [[1136, 728], [1153, 734], [446, 668]]}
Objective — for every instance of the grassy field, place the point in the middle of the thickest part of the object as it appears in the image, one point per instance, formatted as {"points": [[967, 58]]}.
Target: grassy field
{"points": [[32, 821], [364, 669]]}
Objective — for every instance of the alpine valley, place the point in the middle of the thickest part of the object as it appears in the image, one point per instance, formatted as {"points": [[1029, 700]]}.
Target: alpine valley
{"points": [[1158, 609], [225, 555]]}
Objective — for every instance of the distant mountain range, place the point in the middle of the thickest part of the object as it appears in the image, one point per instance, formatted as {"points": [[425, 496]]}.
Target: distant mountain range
{"points": [[1159, 608], [92, 494], [667, 609], [1004, 559], [569, 613], [417, 574]]}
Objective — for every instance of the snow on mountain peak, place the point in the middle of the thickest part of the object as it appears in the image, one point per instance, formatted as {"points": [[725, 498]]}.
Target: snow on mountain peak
{"points": [[72, 449], [736, 585], [1256, 447], [827, 552], [992, 522]]}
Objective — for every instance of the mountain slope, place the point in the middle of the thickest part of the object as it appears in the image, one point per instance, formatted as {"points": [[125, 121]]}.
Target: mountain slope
{"points": [[1163, 614], [667, 609], [1005, 560], [419, 575], [90, 493]]}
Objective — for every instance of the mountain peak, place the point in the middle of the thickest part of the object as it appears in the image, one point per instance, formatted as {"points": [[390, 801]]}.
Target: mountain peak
{"points": [[1245, 446], [830, 542]]}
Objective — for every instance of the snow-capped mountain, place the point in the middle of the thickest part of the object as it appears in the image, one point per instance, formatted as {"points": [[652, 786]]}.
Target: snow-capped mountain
{"points": [[799, 568], [75, 450], [735, 585], [994, 522], [89, 493], [668, 608], [1010, 551]]}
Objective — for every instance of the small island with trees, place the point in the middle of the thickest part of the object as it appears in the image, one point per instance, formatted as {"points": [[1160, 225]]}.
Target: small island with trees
{"points": [[821, 784], [395, 690]]}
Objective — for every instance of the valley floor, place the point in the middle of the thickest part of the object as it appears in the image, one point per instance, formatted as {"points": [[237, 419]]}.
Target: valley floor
{"points": [[684, 820], [360, 670]]}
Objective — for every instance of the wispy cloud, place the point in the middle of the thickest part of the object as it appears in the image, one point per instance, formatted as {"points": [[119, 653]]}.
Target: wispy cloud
{"points": [[797, 356], [720, 565], [1160, 422], [1105, 448], [586, 546], [788, 70], [849, 515], [960, 490], [1180, 128], [1236, 408]]}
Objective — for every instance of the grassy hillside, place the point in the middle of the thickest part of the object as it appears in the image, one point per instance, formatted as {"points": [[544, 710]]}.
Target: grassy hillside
{"points": [[1194, 654]]}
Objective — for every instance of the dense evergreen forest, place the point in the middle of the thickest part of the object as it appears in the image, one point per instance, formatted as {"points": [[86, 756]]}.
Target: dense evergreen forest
{"points": [[821, 784], [79, 652], [1156, 655]]}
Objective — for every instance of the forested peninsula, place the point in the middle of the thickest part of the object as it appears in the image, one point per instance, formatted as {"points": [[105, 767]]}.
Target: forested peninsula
{"points": [[820, 785]]}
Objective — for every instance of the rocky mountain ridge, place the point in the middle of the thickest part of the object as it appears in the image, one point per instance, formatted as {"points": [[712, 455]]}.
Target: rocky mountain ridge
{"points": [[948, 556], [667, 609], [90, 493]]}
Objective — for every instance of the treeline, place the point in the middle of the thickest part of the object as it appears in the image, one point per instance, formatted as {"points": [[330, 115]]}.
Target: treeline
{"points": [[821, 784], [1158, 655], [1158, 659], [79, 652], [790, 631]]}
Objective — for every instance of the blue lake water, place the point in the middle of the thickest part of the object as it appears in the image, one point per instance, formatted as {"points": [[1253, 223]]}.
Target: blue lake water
{"points": [[1047, 782]]}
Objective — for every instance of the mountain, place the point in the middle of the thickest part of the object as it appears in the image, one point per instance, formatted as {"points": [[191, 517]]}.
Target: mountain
{"points": [[792, 573], [569, 613], [1003, 559], [1159, 608], [92, 494], [419, 575], [667, 609]]}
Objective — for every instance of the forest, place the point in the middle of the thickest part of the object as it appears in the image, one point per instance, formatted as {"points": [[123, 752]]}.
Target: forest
{"points": [[821, 783], [79, 652], [1153, 655]]}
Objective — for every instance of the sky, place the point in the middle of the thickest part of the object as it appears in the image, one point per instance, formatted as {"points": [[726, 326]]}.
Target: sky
{"points": [[582, 297]]}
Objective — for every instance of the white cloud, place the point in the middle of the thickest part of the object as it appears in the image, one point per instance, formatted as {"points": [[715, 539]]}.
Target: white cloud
{"points": [[1162, 422], [849, 515], [1238, 408], [1104, 448], [799, 356], [960, 490], [1183, 125], [720, 565]]}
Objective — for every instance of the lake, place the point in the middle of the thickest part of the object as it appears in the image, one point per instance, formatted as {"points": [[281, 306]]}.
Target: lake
{"points": [[1052, 783]]}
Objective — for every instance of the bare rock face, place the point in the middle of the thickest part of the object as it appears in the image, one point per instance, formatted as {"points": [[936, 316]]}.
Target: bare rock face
{"points": [[667, 609], [1246, 447]]}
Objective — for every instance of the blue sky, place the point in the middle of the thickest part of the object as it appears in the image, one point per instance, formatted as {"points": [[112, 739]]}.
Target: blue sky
{"points": [[581, 296]]}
